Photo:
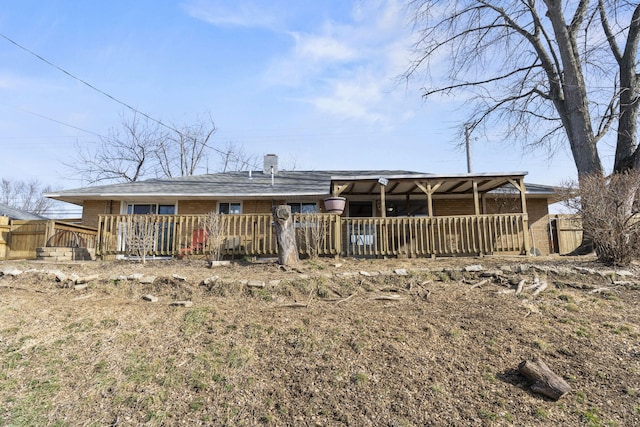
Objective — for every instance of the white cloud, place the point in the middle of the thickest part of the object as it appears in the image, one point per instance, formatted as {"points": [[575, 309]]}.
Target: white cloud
{"points": [[231, 13], [323, 48], [349, 69]]}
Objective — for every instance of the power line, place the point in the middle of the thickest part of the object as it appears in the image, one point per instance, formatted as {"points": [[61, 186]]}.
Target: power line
{"points": [[63, 123], [113, 98], [87, 83]]}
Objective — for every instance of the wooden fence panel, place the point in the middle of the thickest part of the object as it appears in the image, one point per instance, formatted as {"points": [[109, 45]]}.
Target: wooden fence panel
{"points": [[5, 230], [566, 232], [25, 237]]}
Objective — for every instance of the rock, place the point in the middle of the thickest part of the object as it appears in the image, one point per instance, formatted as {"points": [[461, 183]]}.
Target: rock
{"points": [[337, 265], [210, 280], [87, 279], [584, 270], [506, 268], [150, 298], [12, 272], [347, 274], [473, 268], [401, 272], [181, 304], [73, 278], [540, 268], [255, 284], [491, 273], [180, 278], [135, 276], [214, 264], [147, 280], [80, 287], [365, 274], [58, 275], [624, 273], [521, 268]]}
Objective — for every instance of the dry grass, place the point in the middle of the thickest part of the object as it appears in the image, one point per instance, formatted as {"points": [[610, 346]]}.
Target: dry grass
{"points": [[440, 354]]}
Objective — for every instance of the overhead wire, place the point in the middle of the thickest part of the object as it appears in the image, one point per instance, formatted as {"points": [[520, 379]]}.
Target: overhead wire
{"points": [[113, 98]]}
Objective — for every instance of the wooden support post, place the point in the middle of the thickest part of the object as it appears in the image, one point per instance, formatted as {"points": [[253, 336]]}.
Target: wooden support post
{"points": [[383, 202], [519, 185], [476, 210], [476, 203], [285, 235]]}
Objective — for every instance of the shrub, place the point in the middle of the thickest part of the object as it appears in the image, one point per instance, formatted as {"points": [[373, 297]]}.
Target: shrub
{"points": [[609, 211]]}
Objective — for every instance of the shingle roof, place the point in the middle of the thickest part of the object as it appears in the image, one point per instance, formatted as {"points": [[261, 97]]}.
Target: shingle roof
{"points": [[14, 213], [255, 184], [228, 184]]}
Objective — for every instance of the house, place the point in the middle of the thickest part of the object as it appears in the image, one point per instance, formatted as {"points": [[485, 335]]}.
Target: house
{"points": [[457, 213], [19, 214]]}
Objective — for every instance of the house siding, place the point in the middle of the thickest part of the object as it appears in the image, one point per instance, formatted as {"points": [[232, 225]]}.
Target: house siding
{"points": [[91, 209], [196, 207]]}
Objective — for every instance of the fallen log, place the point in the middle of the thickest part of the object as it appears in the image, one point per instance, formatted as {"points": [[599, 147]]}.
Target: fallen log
{"points": [[545, 381]]}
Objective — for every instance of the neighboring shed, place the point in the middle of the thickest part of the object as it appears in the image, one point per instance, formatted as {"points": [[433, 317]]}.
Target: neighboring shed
{"points": [[15, 213]]}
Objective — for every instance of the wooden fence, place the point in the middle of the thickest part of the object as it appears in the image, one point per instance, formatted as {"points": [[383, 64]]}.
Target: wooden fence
{"points": [[316, 234], [19, 239], [566, 232]]}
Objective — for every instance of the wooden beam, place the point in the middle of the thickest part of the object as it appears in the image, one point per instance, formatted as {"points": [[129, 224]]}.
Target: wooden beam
{"points": [[338, 189], [429, 189], [523, 196]]}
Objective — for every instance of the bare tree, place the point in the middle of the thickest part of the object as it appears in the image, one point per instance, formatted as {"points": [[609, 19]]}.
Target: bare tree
{"points": [[235, 158], [25, 195], [141, 149], [545, 72], [183, 151], [141, 235], [126, 154]]}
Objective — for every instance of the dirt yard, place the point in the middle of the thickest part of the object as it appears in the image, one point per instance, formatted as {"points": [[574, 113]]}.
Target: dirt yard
{"points": [[333, 342]]}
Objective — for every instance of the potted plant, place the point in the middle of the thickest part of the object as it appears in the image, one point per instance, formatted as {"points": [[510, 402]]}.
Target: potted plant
{"points": [[335, 204]]}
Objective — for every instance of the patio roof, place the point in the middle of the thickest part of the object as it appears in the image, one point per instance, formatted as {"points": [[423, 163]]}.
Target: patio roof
{"points": [[410, 184]]}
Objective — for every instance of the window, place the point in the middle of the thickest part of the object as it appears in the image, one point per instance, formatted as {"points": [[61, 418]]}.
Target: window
{"points": [[230, 208], [150, 208], [407, 208], [360, 209], [305, 208]]}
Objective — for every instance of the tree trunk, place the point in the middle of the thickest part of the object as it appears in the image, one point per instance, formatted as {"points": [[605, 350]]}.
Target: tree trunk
{"points": [[287, 248], [544, 380]]}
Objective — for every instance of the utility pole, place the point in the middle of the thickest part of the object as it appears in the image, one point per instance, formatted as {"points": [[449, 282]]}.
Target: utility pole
{"points": [[467, 137]]}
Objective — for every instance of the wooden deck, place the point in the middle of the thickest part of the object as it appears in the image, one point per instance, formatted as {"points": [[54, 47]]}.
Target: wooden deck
{"points": [[318, 234]]}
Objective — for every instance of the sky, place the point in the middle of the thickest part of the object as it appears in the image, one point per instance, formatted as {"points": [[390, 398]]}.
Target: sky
{"points": [[318, 83]]}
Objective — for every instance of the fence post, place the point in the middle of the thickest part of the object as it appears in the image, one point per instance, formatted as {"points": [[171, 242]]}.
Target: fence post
{"points": [[525, 230], [5, 230]]}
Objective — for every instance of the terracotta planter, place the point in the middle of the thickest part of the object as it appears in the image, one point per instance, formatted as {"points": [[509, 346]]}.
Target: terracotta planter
{"points": [[335, 205]]}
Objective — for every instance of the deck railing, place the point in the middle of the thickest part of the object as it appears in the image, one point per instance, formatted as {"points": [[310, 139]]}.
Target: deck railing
{"points": [[438, 236], [316, 234]]}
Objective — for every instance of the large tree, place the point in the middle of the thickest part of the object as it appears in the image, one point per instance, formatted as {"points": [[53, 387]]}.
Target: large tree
{"points": [[544, 72]]}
